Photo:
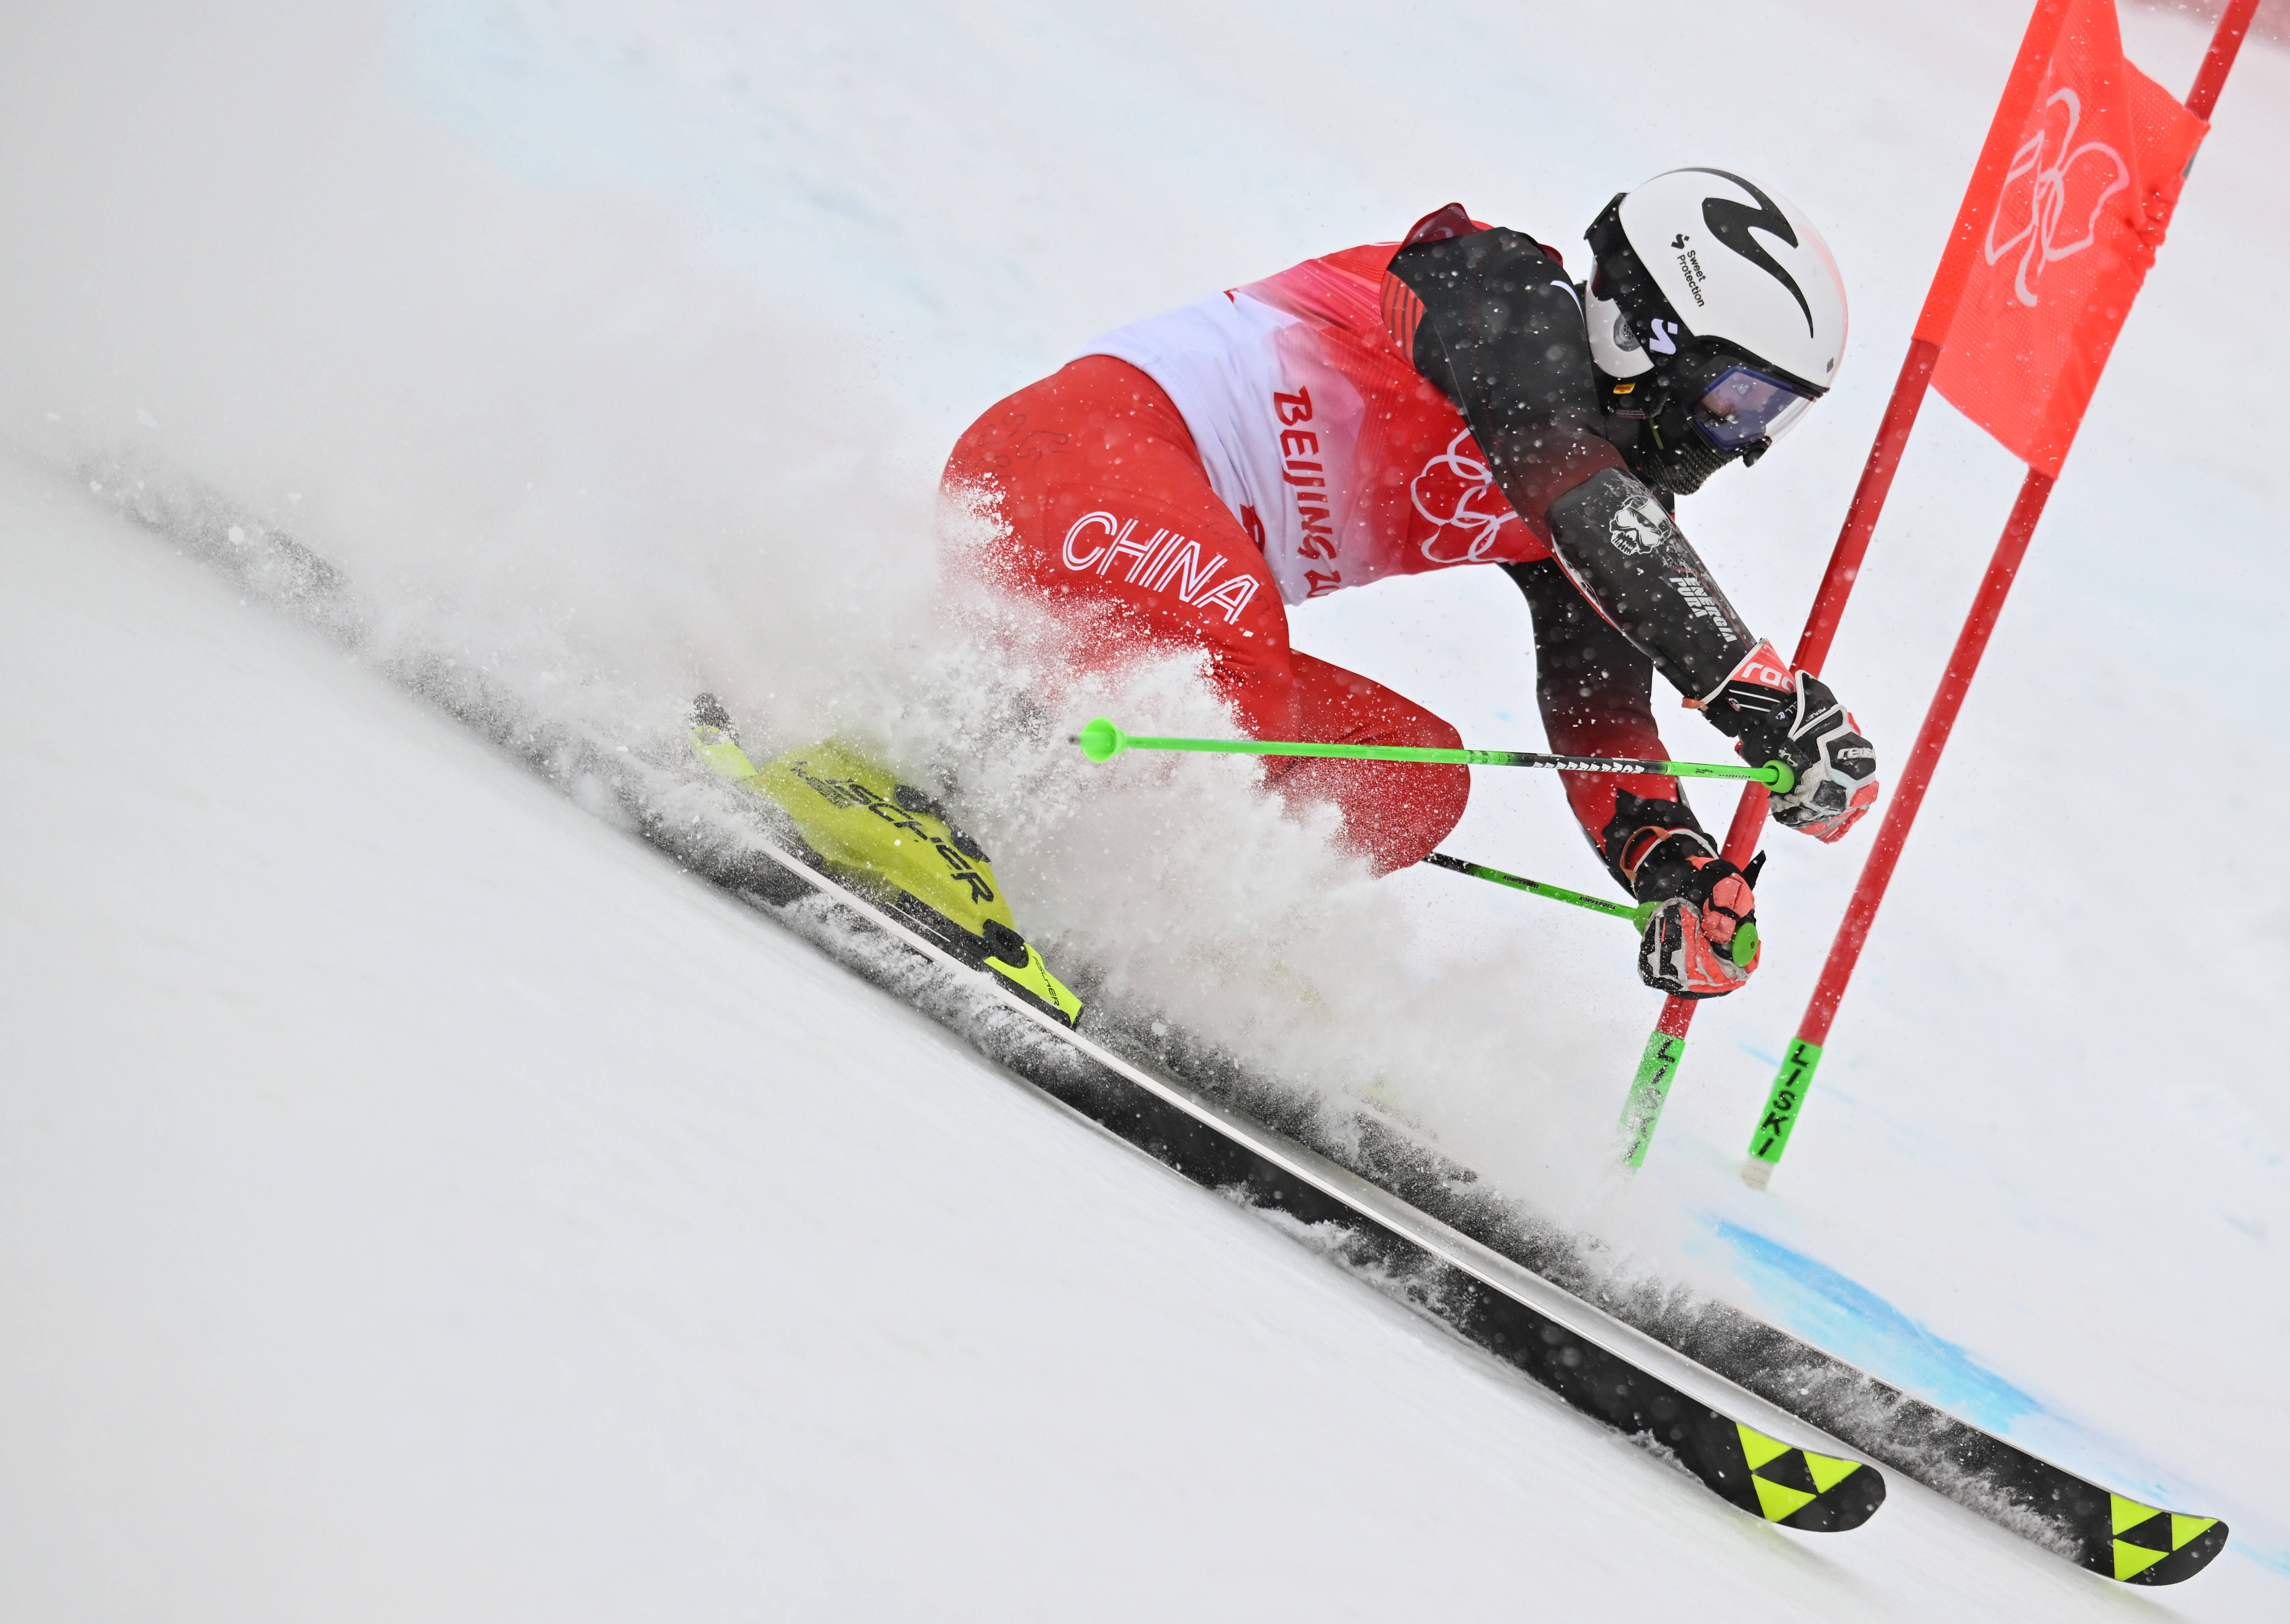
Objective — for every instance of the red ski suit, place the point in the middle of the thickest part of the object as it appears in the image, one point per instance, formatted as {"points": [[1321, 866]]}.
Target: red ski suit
{"points": [[1273, 444]]}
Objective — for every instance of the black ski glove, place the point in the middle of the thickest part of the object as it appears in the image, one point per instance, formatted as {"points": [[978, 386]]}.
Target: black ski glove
{"points": [[1781, 714]]}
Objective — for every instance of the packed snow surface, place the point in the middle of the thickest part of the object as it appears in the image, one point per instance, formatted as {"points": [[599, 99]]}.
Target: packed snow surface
{"points": [[419, 1199]]}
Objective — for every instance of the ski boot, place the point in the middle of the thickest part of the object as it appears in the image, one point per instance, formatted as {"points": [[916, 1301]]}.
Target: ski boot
{"points": [[855, 822]]}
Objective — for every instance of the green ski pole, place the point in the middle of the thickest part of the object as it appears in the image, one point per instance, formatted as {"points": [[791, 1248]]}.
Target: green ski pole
{"points": [[1665, 1045], [1101, 741], [1745, 940], [1636, 913]]}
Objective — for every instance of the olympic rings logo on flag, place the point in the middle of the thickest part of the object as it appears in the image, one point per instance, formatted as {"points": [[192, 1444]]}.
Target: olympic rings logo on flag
{"points": [[2072, 169], [1446, 492]]}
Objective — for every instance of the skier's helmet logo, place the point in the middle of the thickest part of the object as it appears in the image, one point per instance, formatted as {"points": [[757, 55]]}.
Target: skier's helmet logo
{"points": [[1740, 266]]}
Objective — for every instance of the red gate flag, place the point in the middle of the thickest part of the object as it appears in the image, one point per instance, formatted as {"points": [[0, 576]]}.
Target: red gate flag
{"points": [[2074, 188], [2099, 155], [2070, 198]]}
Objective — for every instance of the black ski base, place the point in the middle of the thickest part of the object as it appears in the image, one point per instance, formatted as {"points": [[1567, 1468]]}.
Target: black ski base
{"points": [[1795, 1488]]}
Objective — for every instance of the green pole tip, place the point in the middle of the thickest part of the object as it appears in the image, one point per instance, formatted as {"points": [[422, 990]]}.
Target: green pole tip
{"points": [[1779, 778], [1100, 741], [1745, 943]]}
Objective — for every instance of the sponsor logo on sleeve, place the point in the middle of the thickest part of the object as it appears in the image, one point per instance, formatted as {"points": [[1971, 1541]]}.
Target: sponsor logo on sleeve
{"points": [[1640, 528], [1694, 593]]}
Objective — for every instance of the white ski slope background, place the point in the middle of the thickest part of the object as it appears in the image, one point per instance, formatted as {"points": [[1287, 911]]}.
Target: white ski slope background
{"points": [[416, 1199]]}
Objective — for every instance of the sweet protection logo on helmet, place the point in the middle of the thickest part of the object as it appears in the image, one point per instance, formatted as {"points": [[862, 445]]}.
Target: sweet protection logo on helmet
{"points": [[1731, 220], [1740, 266]]}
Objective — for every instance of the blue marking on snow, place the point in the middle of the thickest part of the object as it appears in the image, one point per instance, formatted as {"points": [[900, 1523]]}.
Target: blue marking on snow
{"points": [[2276, 1558], [1856, 1325], [1759, 1055]]}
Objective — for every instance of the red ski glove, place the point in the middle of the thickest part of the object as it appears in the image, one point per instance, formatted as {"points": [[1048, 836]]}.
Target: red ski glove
{"points": [[1702, 941]]}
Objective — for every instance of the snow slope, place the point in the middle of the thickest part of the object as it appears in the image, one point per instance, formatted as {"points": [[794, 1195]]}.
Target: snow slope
{"points": [[421, 1201], [614, 347]]}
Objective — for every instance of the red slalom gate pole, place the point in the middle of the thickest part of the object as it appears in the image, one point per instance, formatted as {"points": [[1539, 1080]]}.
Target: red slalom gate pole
{"points": [[1845, 562], [1787, 1098], [2210, 78], [1804, 1055], [1665, 1045]]}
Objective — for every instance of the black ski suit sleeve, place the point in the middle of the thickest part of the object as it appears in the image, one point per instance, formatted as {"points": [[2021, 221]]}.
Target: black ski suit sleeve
{"points": [[1498, 328], [1596, 691]]}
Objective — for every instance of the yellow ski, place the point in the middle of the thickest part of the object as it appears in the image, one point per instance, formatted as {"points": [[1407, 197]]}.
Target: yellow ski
{"points": [[859, 824]]}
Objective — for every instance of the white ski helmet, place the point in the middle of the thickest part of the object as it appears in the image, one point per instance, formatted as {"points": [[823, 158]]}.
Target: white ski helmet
{"points": [[1718, 311]]}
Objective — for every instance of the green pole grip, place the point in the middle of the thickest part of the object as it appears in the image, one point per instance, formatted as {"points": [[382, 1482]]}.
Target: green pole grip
{"points": [[1791, 1084]]}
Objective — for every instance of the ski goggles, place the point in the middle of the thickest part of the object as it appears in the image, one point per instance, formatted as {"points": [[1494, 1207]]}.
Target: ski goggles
{"points": [[1742, 406]]}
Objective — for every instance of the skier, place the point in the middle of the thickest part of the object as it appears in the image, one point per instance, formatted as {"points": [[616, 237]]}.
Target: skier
{"points": [[1454, 398]]}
